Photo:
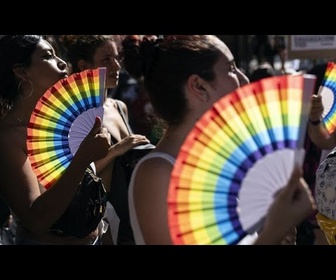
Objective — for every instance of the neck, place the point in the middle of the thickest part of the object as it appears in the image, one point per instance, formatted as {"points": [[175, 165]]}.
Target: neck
{"points": [[174, 138]]}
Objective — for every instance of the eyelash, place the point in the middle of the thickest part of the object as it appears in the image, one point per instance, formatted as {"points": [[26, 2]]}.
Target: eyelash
{"points": [[49, 56], [233, 68]]}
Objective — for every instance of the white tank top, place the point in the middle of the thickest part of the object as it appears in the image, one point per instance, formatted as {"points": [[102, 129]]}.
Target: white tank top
{"points": [[138, 237]]}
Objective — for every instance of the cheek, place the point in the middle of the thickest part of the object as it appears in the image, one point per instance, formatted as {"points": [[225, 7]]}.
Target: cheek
{"points": [[228, 85], [243, 80], [113, 66], [44, 76]]}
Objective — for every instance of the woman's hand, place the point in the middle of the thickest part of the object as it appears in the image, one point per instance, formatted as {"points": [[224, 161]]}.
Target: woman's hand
{"points": [[291, 206], [97, 143], [316, 109], [128, 143]]}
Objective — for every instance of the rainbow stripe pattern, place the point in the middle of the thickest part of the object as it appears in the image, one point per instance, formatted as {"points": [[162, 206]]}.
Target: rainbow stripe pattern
{"points": [[327, 90], [240, 129], [52, 119]]}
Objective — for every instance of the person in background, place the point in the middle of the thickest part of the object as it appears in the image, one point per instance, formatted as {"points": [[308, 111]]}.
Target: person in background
{"points": [[264, 70], [262, 52], [184, 75], [280, 51], [89, 52], [130, 90], [309, 232], [323, 140], [29, 67]]}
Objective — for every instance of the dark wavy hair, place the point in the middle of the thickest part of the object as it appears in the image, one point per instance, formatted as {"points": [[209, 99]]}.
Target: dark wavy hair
{"points": [[165, 65], [14, 49], [83, 47]]}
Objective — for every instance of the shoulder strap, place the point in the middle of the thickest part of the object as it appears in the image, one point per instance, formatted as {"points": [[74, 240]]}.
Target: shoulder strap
{"points": [[165, 156], [121, 112]]}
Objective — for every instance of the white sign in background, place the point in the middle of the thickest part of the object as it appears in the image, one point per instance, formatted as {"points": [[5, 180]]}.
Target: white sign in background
{"points": [[312, 42]]}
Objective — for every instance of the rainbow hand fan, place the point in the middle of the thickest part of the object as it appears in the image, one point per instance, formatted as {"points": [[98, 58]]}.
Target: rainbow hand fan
{"points": [[62, 118], [234, 160], [327, 90]]}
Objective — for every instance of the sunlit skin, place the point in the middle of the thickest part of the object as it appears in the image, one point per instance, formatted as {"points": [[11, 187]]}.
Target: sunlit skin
{"points": [[106, 55], [36, 208]]}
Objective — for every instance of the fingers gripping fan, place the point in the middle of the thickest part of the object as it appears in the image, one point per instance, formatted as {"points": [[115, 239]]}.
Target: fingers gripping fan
{"points": [[62, 118], [237, 156], [327, 90]]}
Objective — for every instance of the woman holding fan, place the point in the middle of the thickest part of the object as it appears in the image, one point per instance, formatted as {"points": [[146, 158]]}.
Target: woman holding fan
{"points": [[325, 185], [90, 52], [29, 66], [184, 76]]}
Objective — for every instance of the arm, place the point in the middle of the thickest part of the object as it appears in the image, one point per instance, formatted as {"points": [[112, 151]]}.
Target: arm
{"points": [[316, 130], [291, 206], [150, 199], [124, 144], [36, 207], [120, 148]]}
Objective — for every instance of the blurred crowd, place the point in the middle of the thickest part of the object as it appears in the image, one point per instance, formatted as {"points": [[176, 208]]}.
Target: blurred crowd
{"points": [[269, 58]]}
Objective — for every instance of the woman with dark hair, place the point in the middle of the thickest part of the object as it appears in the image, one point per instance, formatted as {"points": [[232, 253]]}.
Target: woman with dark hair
{"points": [[89, 52], [184, 75], [29, 67]]}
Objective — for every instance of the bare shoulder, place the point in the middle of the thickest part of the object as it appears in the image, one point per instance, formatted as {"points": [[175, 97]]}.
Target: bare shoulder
{"points": [[151, 173], [12, 147], [15, 168], [122, 105], [116, 102], [155, 164]]}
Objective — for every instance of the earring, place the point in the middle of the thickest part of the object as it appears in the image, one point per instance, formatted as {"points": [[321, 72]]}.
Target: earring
{"points": [[31, 92], [206, 97]]}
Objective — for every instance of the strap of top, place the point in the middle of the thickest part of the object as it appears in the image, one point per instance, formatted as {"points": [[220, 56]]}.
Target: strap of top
{"points": [[121, 112]]}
